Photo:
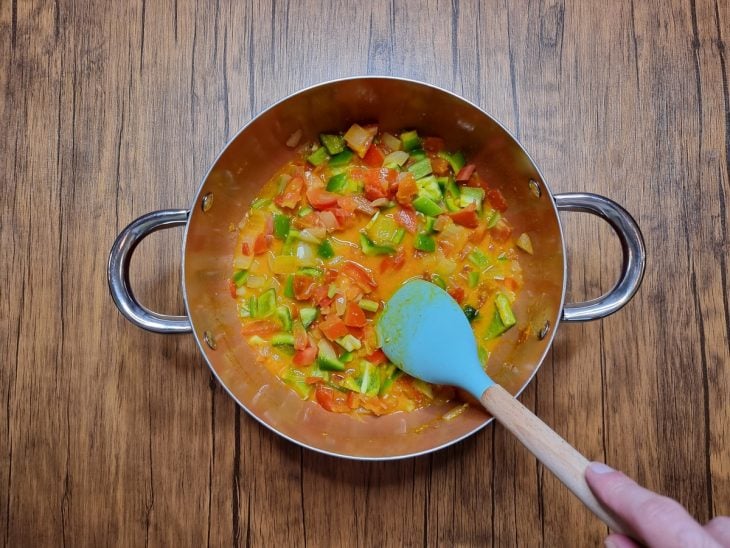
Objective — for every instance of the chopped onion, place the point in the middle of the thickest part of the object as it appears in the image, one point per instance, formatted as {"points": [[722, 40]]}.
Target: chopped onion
{"points": [[392, 142], [340, 305], [364, 205], [243, 262], [359, 138], [294, 138], [329, 220], [254, 281], [304, 252], [524, 243], [398, 158], [313, 235], [380, 202]]}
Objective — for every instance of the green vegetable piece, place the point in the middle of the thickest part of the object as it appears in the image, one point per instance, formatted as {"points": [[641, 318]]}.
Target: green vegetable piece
{"points": [[424, 242], [399, 235], [284, 316], [370, 249], [429, 225], [337, 183], [473, 279], [347, 357], [383, 231], [368, 305], [333, 143], [483, 355], [439, 281], [471, 195], [325, 250], [410, 140], [456, 160], [318, 157], [493, 219], [267, 303], [282, 224], [282, 339], [452, 204], [418, 155], [341, 159], [421, 169], [327, 359], [304, 211], [310, 271], [253, 306], [427, 206], [240, 277], [369, 379], [478, 259], [471, 313], [423, 387], [260, 203], [289, 286], [429, 187], [297, 380], [496, 327], [308, 315], [505, 310], [349, 342]]}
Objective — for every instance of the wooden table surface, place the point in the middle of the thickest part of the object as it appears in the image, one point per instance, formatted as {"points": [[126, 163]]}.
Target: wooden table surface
{"points": [[113, 436]]}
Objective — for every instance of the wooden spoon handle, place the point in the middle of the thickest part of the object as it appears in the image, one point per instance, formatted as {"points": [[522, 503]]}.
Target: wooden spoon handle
{"points": [[554, 452]]}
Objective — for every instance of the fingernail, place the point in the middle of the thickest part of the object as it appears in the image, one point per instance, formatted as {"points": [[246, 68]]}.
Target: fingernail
{"points": [[600, 468]]}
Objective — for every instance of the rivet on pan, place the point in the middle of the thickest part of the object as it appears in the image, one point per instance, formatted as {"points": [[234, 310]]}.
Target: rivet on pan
{"points": [[544, 331], [207, 202], [535, 188], [209, 340]]}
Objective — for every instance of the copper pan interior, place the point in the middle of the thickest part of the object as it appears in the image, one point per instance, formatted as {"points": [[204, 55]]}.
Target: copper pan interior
{"points": [[249, 161]]}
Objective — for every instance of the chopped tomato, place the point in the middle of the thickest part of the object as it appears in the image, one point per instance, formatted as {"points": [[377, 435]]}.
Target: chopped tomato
{"points": [[406, 217], [347, 203], [314, 380], [330, 275], [466, 217], [308, 221], [501, 231], [260, 244], [232, 288], [292, 194], [374, 190], [354, 316], [305, 357], [353, 400], [360, 275], [320, 198], [341, 215], [330, 400], [303, 287], [497, 200], [457, 293], [477, 236], [393, 261], [377, 357], [320, 296], [260, 327], [357, 332], [465, 173], [439, 166], [433, 144], [333, 328], [373, 157], [329, 220], [407, 190]]}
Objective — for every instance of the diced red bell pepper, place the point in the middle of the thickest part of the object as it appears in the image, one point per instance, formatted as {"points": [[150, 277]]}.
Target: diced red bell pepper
{"points": [[406, 217], [360, 275], [354, 316], [305, 357], [374, 190], [320, 296], [465, 173], [330, 401], [373, 157], [232, 288], [377, 357], [260, 327], [260, 244], [407, 190], [303, 287], [496, 199], [292, 194], [394, 262], [457, 293], [320, 198], [333, 328], [466, 217]]}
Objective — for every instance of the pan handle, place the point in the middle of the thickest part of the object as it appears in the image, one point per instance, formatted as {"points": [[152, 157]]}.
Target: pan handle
{"points": [[632, 247], [118, 272]]}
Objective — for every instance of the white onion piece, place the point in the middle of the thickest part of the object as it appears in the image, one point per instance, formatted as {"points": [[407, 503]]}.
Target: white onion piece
{"points": [[380, 202], [397, 158], [294, 138]]}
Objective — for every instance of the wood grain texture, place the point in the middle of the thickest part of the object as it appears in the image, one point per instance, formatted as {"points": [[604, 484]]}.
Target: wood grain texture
{"points": [[110, 435]]}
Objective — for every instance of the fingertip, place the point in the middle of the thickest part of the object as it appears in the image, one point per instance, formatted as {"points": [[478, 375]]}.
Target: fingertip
{"points": [[619, 541]]}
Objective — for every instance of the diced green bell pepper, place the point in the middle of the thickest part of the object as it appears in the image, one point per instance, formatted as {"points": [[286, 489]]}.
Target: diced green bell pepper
{"points": [[341, 159], [369, 380], [325, 250], [421, 169], [297, 380], [410, 140], [239, 277], [289, 286], [473, 279], [284, 316], [260, 203], [333, 143], [370, 249], [429, 187], [337, 183], [318, 157], [478, 259], [471, 195], [505, 310], [308, 315], [455, 159], [282, 339], [496, 327], [427, 206], [368, 305], [282, 223], [267, 303], [424, 242], [327, 359]]}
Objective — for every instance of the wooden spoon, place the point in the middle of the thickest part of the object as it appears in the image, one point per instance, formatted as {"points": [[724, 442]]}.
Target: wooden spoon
{"points": [[425, 333]]}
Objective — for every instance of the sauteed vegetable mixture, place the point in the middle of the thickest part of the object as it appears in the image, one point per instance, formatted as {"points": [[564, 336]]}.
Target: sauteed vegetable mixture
{"points": [[337, 230]]}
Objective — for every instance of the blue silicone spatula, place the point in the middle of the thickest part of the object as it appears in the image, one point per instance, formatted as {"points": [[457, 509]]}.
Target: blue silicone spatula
{"points": [[425, 333]]}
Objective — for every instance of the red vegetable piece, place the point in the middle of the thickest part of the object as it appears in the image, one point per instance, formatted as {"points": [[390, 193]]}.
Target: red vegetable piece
{"points": [[377, 357], [292, 194], [260, 327], [433, 144], [439, 166], [329, 400], [465, 173], [260, 244], [354, 316], [466, 217], [373, 157], [305, 357], [360, 275], [457, 293], [407, 190], [320, 198], [406, 217], [496, 199], [333, 328], [303, 287], [374, 190], [232, 288], [394, 262]]}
